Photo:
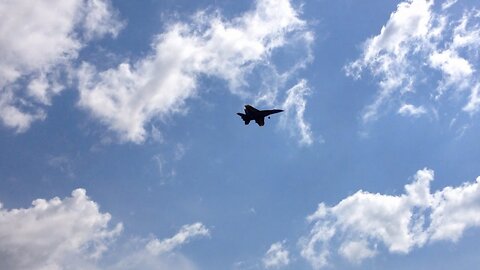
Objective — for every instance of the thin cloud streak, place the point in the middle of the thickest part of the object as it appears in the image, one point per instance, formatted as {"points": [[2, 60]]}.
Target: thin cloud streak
{"points": [[293, 118]]}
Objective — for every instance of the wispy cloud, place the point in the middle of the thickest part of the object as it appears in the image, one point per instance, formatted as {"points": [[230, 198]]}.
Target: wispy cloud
{"points": [[293, 118], [277, 256], [411, 110], [448, 3], [182, 237], [62, 163], [473, 104], [158, 254], [402, 222], [419, 41]]}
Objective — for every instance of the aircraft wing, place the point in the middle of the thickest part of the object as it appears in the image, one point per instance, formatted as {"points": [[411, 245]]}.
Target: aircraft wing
{"points": [[250, 108], [260, 121], [268, 112]]}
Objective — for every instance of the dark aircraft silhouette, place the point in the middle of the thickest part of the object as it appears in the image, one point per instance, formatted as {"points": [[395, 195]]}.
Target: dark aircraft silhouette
{"points": [[258, 115]]}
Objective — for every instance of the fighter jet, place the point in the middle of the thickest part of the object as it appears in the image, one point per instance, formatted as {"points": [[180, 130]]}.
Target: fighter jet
{"points": [[258, 115]]}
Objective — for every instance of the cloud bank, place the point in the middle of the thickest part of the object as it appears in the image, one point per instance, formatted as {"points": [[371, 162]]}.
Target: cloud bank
{"points": [[422, 40], [362, 224], [37, 41]]}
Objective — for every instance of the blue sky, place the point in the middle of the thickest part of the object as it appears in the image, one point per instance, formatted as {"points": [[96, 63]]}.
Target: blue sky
{"points": [[121, 148]]}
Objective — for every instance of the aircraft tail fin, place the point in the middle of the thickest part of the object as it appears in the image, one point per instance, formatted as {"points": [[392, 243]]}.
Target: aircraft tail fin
{"points": [[244, 118]]}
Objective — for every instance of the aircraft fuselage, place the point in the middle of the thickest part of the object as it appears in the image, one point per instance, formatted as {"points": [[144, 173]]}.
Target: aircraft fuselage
{"points": [[258, 116]]}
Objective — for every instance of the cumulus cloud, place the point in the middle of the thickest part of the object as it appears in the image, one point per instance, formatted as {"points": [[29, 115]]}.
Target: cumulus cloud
{"points": [[362, 221], [72, 233], [36, 39], [276, 256], [55, 234], [293, 117], [127, 97], [419, 41]]}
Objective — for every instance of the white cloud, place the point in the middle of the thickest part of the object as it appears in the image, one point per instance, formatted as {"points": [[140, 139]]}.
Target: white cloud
{"points": [[454, 210], [72, 233], [474, 100], [146, 261], [418, 41], [159, 254], [411, 110], [276, 256], [13, 117], [293, 116], [55, 234], [400, 222], [410, 21], [385, 55], [315, 247], [356, 251], [126, 98], [36, 39], [467, 32], [100, 19], [182, 237], [457, 70], [448, 3]]}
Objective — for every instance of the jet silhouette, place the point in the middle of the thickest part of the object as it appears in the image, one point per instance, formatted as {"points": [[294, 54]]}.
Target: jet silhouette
{"points": [[258, 115]]}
